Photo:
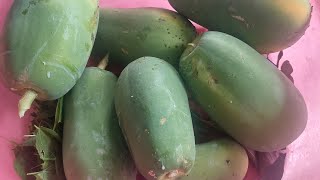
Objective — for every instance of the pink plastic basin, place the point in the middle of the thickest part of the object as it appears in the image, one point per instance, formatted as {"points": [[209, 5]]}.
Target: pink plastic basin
{"points": [[302, 160]]}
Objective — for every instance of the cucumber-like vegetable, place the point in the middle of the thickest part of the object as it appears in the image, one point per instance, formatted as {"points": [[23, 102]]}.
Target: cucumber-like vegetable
{"points": [[47, 46], [243, 92], [130, 33], [268, 26], [93, 144], [220, 159], [153, 110]]}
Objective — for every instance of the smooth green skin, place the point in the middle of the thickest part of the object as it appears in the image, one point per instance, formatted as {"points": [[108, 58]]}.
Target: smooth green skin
{"points": [[267, 26], [221, 159], [129, 34], [93, 144], [48, 44], [243, 92], [153, 110]]}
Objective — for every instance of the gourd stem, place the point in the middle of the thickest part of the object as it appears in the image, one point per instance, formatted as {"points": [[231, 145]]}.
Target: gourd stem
{"points": [[104, 62], [26, 102]]}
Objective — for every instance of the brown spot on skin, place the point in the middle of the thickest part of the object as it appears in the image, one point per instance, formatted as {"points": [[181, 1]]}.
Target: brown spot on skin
{"points": [[93, 37], [228, 162], [124, 51], [93, 22], [163, 121], [87, 46]]}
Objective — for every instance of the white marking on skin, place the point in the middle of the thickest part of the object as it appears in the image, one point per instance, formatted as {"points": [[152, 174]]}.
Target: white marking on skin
{"points": [[100, 151], [33, 60], [240, 18], [49, 74], [163, 121], [68, 71], [42, 47]]}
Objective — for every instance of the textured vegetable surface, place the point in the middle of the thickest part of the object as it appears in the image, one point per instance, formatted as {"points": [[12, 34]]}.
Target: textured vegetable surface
{"points": [[93, 145], [48, 43], [219, 159], [128, 34], [243, 92], [267, 26], [152, 106]]}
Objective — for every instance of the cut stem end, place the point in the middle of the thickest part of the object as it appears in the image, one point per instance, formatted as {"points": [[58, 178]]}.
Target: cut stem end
{"points": [[26, 102], [104, 62]]}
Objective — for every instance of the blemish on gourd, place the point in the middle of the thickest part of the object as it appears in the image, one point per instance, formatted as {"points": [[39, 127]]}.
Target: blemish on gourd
{"points": [[100, 151], [24, 12], [161, 19], [93, 22], [124, 51], [228, 162], [92, 37], [87, 46], [240, 18], [163, 121], [49, 74]]}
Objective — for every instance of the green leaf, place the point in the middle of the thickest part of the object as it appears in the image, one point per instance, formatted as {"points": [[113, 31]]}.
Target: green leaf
{"points": [[51, 133], [45, 145], [48, 173], [49, 147], [58, 114], [51, 170], [26, 160], [40, 155]]}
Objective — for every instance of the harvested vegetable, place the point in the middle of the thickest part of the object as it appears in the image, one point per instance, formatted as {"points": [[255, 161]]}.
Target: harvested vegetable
{"points": [[93, 144], [219, 159], [48, 44], [131, 33], [153, 111], [243, 92], [267, 26]]}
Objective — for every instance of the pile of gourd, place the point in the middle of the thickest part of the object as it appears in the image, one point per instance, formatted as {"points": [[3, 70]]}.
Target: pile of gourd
{"points": [[143, 120]]}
